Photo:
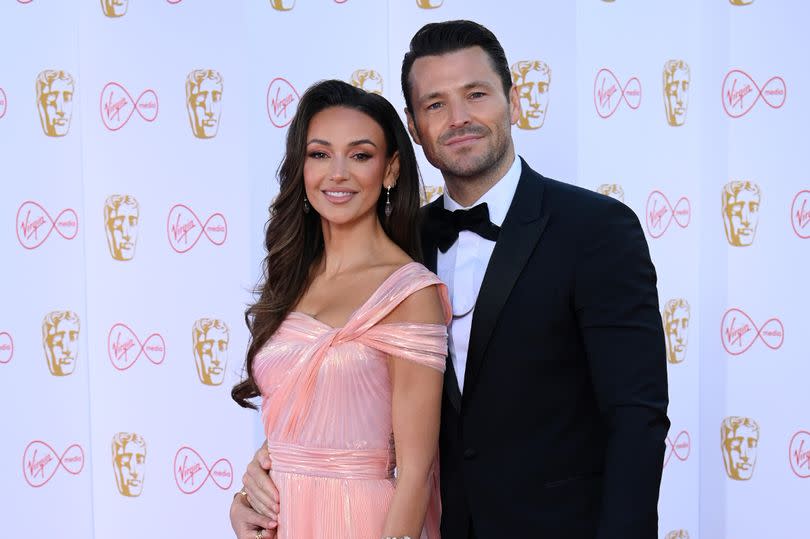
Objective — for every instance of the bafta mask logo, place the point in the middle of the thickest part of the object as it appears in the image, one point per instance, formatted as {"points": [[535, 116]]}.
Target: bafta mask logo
{"points": [[741, 199], [676, 91], [114, 8], [129, 463], [121, 216], [532, 79], [677, 534], [608, 93], [204, 101], [429, 4], [740, 93], [55, 101], [430, 193], [60, 339], [191, 472], [282, 100], [368, 80], [612, 190], [3, 103], [739, 440], [800, 214], [6, 347], [741, 2], [282, 5], [676, 329], [799, 454], [41, 462], [210, 338]]}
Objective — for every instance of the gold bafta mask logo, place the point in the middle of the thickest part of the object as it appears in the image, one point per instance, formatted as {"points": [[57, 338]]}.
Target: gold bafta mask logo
{"points": [[121, 216], [676, 91], [204, 101], [60, 339], [677, 534], [430, 192], [612, 190], [129, 463], [114, 8], [368, 80], [741, 199], [532, 79], [55, 101], [741, 2], [739, 438], [211, 337], [676, 329], [282, 5], [429, 4]]}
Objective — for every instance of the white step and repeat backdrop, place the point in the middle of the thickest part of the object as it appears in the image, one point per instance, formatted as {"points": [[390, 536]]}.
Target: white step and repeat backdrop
{"points": [[138, 145]]}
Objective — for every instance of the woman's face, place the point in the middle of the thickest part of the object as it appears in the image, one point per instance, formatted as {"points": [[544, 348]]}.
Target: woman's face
{"points": [[346, 165]]}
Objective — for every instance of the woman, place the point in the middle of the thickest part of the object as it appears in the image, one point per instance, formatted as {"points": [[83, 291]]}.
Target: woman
{"points": [[349, 334]]}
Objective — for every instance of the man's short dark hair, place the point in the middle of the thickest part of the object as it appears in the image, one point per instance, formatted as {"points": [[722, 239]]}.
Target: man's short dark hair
{"points": [[439, 38]]}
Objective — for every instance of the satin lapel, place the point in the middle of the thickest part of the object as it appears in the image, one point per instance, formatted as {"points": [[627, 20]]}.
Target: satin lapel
{"points": [[522, 228], [430, 255]]}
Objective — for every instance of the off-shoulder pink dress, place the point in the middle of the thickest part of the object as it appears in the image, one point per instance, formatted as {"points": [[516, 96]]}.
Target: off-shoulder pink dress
{"points": [[326, 408]]}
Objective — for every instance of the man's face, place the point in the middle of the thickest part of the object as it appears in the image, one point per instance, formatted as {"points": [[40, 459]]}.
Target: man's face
{"points": [[211, 351], [676, 96], [740, 452], [130, 465], [55, 104], [122, 231], [533, 92], [460, 116], [677, 333], [741, 216], [62, 347], [205, 104], [114, 8]]}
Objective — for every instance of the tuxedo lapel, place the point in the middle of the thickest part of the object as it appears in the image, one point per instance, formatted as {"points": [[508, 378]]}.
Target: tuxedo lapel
{"points": [[522, 228]]}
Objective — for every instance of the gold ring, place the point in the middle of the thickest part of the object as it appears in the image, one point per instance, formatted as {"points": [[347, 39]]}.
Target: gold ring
{"points": [[243, 492]]}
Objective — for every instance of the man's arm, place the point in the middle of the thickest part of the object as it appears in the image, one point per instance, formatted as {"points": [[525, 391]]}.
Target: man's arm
{"points": [[258, 507], [617, 309]]}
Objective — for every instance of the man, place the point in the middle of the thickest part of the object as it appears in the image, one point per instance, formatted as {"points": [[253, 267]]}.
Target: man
{"points": [[204, 102], [211, 339], [121, 216], [60, 339], [55, 101], [129, 463], [554, 407]]}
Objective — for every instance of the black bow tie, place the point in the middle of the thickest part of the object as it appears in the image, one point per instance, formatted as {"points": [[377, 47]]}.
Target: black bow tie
{"points": [[446, 224]]}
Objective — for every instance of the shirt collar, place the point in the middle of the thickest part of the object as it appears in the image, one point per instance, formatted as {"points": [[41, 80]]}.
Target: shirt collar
{"points": [[498, 198]]}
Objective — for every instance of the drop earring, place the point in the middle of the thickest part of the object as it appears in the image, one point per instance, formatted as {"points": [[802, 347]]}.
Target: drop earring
{"points": [[306, 205], [388, 208]]}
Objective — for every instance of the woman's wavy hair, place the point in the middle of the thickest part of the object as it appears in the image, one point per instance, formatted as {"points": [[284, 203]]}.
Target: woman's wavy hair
{"points": [[293, 238]]}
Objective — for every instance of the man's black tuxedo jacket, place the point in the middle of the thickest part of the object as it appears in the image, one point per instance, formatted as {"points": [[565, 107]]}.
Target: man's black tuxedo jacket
{"points": [[561, 429]]}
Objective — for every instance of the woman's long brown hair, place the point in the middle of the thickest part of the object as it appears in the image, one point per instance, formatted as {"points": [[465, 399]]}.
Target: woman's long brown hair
{"points": [[293, 238]]}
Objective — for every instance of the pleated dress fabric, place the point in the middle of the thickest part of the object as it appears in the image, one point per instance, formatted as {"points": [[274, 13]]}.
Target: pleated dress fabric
{"points": [[326, 409]]}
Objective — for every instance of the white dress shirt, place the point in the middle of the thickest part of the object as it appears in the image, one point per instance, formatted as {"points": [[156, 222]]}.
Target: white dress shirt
{"points": [[463, 266]]}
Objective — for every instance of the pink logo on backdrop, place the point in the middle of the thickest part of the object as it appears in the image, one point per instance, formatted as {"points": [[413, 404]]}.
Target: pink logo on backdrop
{"points": [[117, 106], [282, 100], [740, 93], [799, 454], [191, 472], [184, 228], [24, 1], [800, 214], [6, 347], [659, 213], [34, 224], [3, 103], [174, 1], [738, 332], [680, 447], [124, 348], [608, 93], [41, 461]]}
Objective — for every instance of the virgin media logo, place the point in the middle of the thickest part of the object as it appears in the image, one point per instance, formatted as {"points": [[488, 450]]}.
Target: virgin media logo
{"points": [[799, 454], [282, 100], [680, 447], [800, 214], [6, 347], [34, 224], [124, 347], [3, 103], [185, 229], [660, 213], [740, 93], [117, 106], [191, 472], [608, 93], [738, 332], [41, 462]]}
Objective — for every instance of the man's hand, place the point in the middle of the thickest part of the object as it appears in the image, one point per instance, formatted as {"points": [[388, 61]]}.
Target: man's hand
{"points": [[262, 494]]}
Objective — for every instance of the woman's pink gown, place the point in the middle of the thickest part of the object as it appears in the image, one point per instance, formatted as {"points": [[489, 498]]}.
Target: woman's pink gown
{"points": [[326, 408]]}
